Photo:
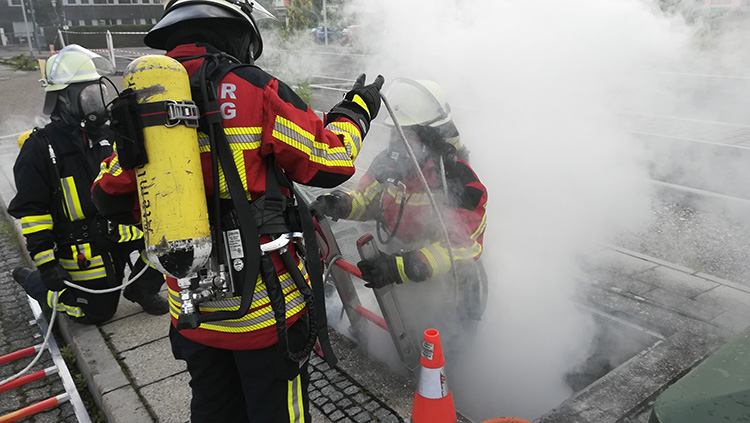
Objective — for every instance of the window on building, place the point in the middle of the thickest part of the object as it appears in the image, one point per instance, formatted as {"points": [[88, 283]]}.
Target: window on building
{"points": [[153, 21], [70, 1], [142, 21], [14, 2], [81, 22], [100, 1], [85, 1]]}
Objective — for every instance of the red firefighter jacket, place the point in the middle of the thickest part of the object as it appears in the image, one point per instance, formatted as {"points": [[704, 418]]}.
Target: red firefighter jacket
{"points": [[261, 116], [463, 210]]}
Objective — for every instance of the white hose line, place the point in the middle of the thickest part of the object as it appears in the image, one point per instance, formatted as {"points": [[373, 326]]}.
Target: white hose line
{"points": [[41, 350], [425, 185], [108, 290]]}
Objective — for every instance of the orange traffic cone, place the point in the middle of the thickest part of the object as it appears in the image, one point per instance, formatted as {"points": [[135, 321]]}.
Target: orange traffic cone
{"points": [[433, 400]]}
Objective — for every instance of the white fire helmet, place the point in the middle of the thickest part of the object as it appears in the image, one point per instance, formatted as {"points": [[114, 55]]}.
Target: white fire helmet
{"points": [[73, 64], [417, 102]]}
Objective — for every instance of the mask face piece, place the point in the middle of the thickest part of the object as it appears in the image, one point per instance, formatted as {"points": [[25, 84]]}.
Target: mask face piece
{"points": [[91, 104]]}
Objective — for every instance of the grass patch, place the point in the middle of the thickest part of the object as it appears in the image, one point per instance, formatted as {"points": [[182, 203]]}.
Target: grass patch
{"points": [[22, 62]]}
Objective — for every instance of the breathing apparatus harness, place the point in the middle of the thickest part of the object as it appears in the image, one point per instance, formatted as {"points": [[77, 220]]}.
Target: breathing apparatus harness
{"points": [[237, 224], [91, 229]]}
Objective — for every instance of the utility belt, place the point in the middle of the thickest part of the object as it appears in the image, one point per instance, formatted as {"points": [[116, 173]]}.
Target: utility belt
{"points": [[85, 230]]}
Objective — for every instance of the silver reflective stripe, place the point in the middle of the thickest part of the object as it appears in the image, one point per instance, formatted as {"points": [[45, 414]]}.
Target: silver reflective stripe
{"points": [[305, 142], [71, 199], [433, 383], [244, 141], [294, 400]]}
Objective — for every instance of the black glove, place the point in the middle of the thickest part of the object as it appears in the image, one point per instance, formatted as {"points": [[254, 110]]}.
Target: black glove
{"points": [[337, 205], [361, 105], [382, 271], [393, 268], [54, 276]]}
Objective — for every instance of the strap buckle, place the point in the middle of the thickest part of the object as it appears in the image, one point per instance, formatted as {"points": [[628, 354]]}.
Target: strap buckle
{"points": [[185, 112], [281, 242]]}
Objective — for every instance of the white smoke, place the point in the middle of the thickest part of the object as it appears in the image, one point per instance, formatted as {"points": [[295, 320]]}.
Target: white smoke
{"points": [[534, 87], [538, 89]]}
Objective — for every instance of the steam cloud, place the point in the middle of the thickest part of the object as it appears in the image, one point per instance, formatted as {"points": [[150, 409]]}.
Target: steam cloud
{"points": [[539, 90]]}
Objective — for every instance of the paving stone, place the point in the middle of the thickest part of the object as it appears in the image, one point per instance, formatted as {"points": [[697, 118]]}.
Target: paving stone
{"points": [[688, 306], [675, 281], [337, 415], [344, 403], [729, 298]]}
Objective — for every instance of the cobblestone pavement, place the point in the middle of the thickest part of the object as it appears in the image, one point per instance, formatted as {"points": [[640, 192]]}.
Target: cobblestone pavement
{"points": [[16, 332], [341, 399]]}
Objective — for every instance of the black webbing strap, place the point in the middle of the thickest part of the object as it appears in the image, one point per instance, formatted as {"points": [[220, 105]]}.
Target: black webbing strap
{"points": [[314, 267], [249, 230], [251, 240], [152, 114]]}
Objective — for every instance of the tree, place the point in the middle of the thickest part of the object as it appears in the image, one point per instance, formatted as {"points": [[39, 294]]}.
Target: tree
{"points": [[300, 14]]}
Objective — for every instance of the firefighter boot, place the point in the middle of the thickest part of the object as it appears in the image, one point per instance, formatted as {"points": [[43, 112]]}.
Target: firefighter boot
{"points": [[150, 303], [31, 282], [20, 274]]}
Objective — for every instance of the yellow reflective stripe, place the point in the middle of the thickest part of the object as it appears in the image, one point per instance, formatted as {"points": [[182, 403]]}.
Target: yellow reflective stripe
{"points": [[129, 233], [84, 248], [294, 401], [112, 168], [464, 253], [482, 225], [69, 264], [361, 103], [72, 311], [241, 138], [414, 199], [88, 274], [43, 257], [204, 144], [437, 257], [260, 318], [244, 138], [401, 271], [360, 200], [352, 138], [293, 135], [36, 223], [72, 202]]}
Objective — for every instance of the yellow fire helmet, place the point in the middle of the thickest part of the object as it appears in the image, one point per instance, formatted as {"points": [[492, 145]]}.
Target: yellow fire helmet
{"points": [[73, 64]]}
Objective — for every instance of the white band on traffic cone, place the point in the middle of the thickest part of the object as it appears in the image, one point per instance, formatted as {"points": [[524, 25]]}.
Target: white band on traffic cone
{"points": [[433, 384]]}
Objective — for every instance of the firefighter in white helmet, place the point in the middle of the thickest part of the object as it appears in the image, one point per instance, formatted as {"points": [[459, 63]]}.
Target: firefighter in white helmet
{"points": [[391, 192], [247, 353], [66, 237]]}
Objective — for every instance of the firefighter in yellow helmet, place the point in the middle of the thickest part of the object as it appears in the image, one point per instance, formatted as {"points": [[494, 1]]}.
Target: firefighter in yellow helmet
{"points": [[66, 237]]}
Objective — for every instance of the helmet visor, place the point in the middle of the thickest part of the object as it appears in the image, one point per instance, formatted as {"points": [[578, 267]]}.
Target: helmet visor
{"points": [[413, 104], [74, 64]]}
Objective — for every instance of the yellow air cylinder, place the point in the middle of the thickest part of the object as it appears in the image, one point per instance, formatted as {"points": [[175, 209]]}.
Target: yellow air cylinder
{"points": [[172, 197], [23, 137]]}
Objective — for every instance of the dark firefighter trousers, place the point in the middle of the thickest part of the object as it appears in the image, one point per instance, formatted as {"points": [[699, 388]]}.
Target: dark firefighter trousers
{"points": [[96, 308], [248, 386]]}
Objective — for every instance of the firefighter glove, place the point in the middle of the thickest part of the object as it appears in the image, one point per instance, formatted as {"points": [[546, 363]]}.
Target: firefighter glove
{"points": [[361, 104], [393, 268], [54, 276], [337, 205]]}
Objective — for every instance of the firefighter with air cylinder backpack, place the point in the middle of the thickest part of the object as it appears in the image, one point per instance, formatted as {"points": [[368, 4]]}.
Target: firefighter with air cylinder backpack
{"points": [[66, 237], [246, 309]]}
